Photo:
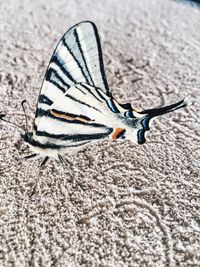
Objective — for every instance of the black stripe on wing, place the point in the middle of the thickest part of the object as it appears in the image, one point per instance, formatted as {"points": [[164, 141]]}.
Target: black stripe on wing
{"points": [[41, 112], [81, 102], [62, 65], [85, 48], [70, 115], [75, 59], [98, 94], [43, 99], [76, 137], [85, 86], [112, 106], [80, 89], [83, 57], [53, 77], [109, 101], [101, 59], [58, 86]]}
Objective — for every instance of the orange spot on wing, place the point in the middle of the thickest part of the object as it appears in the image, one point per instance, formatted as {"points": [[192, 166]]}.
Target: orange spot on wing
{"points": [[116, 133], [68, 117]]}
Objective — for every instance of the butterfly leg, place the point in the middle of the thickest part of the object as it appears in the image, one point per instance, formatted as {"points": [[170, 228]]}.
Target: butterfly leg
{"points": [[61, 160], [44, 162], [30, 156]]}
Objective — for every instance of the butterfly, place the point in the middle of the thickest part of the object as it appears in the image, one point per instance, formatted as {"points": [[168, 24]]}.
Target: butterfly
{"points": [[75, 106]]}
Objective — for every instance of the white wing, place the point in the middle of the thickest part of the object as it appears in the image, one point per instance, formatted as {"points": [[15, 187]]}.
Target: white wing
{"points": [[79, 116], [77, 58]]}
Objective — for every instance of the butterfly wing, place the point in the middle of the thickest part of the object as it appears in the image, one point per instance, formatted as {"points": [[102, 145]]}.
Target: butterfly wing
{"points": [[77, 58], [77, 117]]}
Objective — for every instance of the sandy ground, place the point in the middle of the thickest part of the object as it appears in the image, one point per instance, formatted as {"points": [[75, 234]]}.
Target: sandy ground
{"points": [[116, 204]]}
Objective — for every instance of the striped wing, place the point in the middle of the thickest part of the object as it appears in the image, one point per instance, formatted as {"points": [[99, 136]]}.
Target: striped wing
{"points": [[77, 58], [79, 116]]}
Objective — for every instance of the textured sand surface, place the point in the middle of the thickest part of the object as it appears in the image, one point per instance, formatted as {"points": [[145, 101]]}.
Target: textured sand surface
{"points": [[116, 204]]}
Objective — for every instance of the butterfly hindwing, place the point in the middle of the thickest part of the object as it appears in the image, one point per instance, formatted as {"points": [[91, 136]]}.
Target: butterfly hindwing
{"points": [[76, 117]]}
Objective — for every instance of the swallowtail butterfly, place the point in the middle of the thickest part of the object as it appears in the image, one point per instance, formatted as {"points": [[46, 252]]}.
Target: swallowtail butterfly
{"points": [[75, 106]]}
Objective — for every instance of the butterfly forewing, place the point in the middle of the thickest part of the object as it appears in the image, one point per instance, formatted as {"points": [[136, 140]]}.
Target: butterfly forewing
{"points": [[77, 58], [69, 102]]}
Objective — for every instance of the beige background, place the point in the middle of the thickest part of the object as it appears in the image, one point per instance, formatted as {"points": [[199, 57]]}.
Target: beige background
{"points": [[115, 204]]}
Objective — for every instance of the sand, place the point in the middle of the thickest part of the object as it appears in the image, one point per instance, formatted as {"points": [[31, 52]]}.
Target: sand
{"points": [[114, 204]]}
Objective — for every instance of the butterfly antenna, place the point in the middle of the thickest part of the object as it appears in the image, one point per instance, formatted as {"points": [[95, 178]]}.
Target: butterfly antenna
{"points": [[22, 104], [2, 118]]}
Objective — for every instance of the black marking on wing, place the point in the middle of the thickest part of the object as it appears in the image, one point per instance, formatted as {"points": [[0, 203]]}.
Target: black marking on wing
{"points": [[35, 127], [79, 101], [76, 137], [71, 114], [126, 106], [88, 29], [112, 106], [98, 90], [58, 86], [75, 59], [54, 78], [129, 114], [89, 90], [60, 63], [77, 145], [45, 100], [141, 132], [101, 59], [41, 112], [95, 125], [121, 135], [33, 142], [78, 87], [83, 57]]}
